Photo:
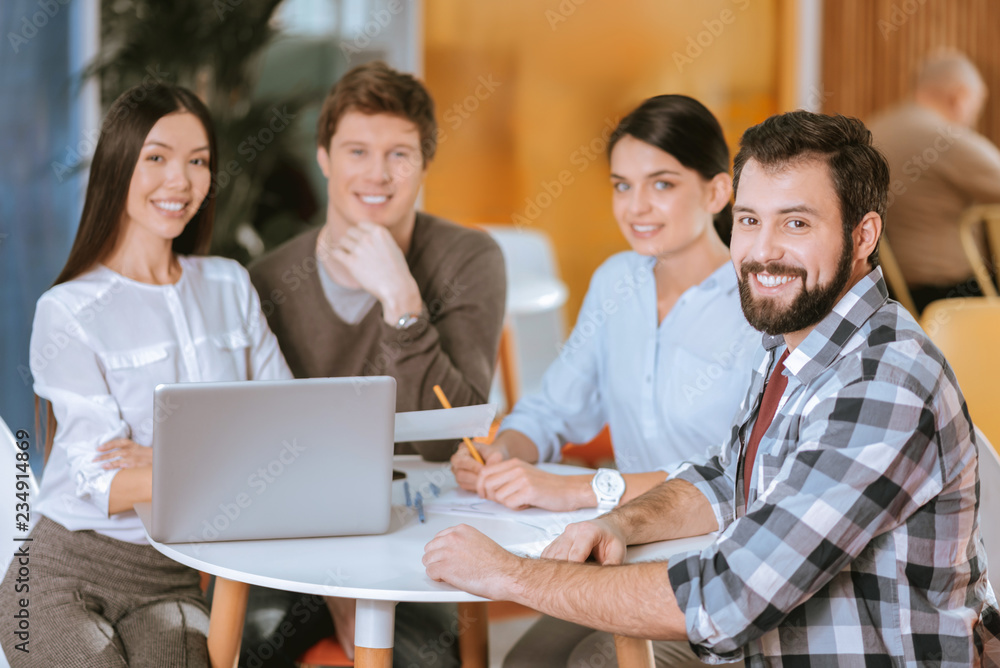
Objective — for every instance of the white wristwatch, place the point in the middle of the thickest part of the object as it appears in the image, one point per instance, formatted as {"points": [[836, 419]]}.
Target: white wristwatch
{"points": [[608, 486]]}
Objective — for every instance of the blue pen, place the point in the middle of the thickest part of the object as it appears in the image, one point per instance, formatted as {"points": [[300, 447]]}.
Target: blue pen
{"points": [[435, 490], [419, 503], [406, 491]]}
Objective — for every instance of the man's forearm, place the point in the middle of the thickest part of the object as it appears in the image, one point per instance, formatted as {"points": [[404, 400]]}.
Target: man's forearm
{"points": [[633, 600], [637, 484], [673, 509]]}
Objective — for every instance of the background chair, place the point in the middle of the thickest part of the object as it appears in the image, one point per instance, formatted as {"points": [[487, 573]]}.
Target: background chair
{"points": [[966, 332], [987, 215], [327, 652], [598, 453], [533, 329], [989, 505], [894, 277]]}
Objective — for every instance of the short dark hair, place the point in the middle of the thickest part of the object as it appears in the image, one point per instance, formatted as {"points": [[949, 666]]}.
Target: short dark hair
{"points": [[376, 88], [123, 132], [683, 127], [860, 172]]}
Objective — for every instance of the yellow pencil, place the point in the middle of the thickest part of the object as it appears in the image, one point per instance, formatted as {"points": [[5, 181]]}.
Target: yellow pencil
{"points": [[447, 404]]}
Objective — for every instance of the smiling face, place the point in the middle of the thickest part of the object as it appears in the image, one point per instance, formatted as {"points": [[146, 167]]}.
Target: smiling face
{"points": [[374, 172], [661, 206], [170, 180], [788, 247]]}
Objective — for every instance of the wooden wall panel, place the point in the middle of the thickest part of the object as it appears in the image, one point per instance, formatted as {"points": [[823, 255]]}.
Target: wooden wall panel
{"points": [[871, 49]]}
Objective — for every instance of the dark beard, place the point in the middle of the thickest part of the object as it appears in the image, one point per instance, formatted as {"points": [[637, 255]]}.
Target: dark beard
{"points": [[808, 307]]}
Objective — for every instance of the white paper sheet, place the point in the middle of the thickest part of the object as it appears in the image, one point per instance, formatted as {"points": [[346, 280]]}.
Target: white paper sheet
{"points": [[432, 425], [531, 550], [469, 504]]}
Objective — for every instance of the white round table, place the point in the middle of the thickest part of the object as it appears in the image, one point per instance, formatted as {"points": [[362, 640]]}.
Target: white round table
{"points": [[379, 571]]}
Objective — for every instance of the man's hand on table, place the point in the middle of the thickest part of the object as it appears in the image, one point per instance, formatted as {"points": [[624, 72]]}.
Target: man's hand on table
{"points": [[468, 560], [599, 538], [465, 558]]}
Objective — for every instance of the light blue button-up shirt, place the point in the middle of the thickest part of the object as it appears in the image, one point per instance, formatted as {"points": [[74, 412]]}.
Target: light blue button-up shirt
{"points": [[668, 390]]}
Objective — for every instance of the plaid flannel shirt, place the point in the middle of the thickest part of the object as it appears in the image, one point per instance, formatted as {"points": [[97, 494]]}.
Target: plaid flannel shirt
{"points": [[861, 542]]}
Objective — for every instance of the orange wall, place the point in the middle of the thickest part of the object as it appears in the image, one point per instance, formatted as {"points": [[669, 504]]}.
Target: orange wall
{"points": [[527, 92]]}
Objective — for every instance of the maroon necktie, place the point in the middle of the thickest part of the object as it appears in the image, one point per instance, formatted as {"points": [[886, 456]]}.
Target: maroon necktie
{"points": [[768, 407]]}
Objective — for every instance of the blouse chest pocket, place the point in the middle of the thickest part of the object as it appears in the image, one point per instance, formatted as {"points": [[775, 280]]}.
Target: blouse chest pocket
{"points": [[133, 359], [228, 354], [234, 340], [132, 374]]}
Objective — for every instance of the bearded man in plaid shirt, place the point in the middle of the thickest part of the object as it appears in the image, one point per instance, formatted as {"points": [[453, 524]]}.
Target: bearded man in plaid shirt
{"points": [[846, 499]]}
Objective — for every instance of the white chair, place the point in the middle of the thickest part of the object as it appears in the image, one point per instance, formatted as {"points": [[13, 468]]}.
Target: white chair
{"points": [[534, 330], [8, 501], [989, 505]]}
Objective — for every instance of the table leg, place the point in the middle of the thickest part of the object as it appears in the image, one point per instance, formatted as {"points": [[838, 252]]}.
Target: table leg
{"points": [[473, 640], [634, 652], [225, 626], [374, 626]]}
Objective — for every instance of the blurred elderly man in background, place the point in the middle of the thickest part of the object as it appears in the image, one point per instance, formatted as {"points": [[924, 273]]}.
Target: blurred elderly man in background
{"points": [[939, 165]]}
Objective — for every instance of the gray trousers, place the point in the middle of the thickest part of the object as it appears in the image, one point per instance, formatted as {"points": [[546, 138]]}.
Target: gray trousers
{"points": [[552, 643], [97, 602]]}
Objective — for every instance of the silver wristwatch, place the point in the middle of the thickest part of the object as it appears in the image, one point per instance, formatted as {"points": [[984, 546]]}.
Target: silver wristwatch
{"points": [[407, 320], [609, 487]]}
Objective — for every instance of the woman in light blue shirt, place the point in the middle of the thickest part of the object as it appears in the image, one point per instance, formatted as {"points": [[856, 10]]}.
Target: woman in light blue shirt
{"points": [[660, 352]]}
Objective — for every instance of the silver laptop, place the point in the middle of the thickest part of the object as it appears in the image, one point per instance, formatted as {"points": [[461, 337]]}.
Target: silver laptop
{"points": [[272, 459]]}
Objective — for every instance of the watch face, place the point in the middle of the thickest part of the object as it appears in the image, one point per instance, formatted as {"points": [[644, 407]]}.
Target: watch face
{"points": [[609, 484], [407, 321]]}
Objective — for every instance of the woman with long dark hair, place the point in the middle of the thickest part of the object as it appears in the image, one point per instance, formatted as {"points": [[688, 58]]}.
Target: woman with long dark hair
{"points": [[137, 304], [660, 352]]}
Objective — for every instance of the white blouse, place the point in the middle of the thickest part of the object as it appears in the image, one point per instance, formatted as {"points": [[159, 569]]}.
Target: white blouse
{"points": [[100, 344]]}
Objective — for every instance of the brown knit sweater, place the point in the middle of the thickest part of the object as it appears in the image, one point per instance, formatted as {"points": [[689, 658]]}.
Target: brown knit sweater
{"points": [[461, 277]]}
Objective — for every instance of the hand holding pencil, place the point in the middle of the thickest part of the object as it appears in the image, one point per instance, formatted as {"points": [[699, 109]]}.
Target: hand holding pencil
{"points": [[447, 404], [467, 470]]}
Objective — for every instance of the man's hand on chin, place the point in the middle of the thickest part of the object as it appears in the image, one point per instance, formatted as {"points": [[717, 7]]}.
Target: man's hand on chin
{"points": [[464, 558], [379, 267]]}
